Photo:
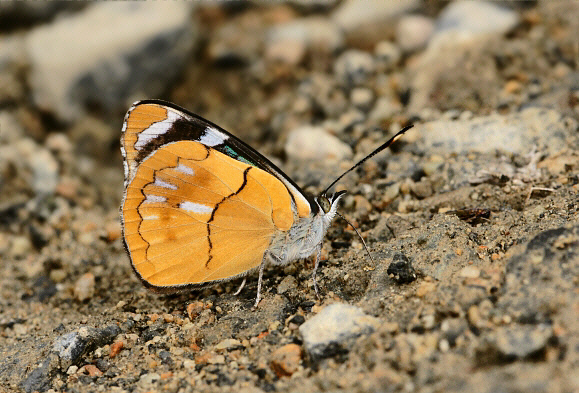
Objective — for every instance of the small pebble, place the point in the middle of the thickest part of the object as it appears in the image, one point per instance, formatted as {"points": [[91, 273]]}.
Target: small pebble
{"points": [[422, 189], [210, 358], [443, 345], [113, 231], [116, 347], [362, 98], [189, 364], [286, 360], [20, 247], [194, 309], [91, 370], [390, 193], [362, 205], [350, 118], [413, 32], [287, 284], [512, 87], [470, 272], [57, 275], [228, 344], [354, 67], [517, 342], [84, 287], [150, 378], [387, 55]]}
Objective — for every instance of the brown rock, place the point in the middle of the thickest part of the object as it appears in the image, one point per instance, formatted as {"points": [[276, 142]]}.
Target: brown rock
{"points": [[286, 360], [91, 370], [194, 309], [116, 348]]}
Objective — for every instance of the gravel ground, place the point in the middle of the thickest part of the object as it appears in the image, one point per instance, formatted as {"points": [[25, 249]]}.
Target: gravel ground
{"points": [[471, 219]]}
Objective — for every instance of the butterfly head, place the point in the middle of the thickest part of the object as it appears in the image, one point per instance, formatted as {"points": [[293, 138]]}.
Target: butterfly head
{"points": [[329, 205]]}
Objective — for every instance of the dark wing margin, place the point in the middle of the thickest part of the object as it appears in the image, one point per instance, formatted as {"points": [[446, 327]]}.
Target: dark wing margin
{"points": [[190, 126]]}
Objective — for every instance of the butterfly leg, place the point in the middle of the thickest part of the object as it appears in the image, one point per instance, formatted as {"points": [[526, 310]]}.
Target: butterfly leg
{"points": [[316, 264], [240, 287], [259, 280]]}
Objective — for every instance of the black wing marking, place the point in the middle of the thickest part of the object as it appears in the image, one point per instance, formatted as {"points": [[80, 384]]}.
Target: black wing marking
{"points": [[190, 126]]}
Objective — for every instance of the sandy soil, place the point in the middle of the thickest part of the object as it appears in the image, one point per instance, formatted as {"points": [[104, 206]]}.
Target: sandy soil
{"points": [[474, 281]]}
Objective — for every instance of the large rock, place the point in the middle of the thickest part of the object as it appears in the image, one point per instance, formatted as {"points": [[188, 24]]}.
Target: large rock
{"points": [[67, 350], [458, 51], [475, 18], [355, 14], [313, 33], [515, 133], [366, 22], [107, 55]]}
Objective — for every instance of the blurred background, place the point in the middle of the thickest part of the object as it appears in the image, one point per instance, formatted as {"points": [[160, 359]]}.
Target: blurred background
{"points": [[492, 87], [69, 71]]}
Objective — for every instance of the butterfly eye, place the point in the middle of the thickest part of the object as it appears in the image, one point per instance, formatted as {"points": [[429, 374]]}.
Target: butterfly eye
{"points": [[324, 203]]}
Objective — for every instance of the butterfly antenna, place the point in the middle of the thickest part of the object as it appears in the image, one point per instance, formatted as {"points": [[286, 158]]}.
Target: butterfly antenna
{"points": [[359, 235], [378, 150]]}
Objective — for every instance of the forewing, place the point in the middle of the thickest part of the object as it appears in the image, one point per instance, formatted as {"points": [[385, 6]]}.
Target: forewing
{"points": [[150, 124]]}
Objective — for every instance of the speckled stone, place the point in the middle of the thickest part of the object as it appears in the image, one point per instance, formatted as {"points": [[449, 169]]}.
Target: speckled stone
{"points": [[328, 333]]}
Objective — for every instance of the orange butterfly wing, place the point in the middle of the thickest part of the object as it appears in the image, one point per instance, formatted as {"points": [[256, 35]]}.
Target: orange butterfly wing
{"points": [[194, 216]]}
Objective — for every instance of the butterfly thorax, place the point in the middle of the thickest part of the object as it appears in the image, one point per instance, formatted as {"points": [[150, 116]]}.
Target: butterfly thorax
{"points": [[306, 235]]}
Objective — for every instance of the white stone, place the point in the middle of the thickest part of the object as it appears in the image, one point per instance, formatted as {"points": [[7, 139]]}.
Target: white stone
{"points": [[354, 14], [413, 32], [227, 344], [516, 133], [315, 143], [45, 170], [312, 32], [461, 19], [20, 247], [106, 54], [361, 98], [333, 327], [476, 17]]}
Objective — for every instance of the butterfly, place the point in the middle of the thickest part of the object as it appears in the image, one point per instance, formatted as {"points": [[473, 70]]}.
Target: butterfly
{"points": [[201, 207]]}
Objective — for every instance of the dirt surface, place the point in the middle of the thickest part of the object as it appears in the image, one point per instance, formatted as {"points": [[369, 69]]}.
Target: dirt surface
{"points": [[474, 280]]}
